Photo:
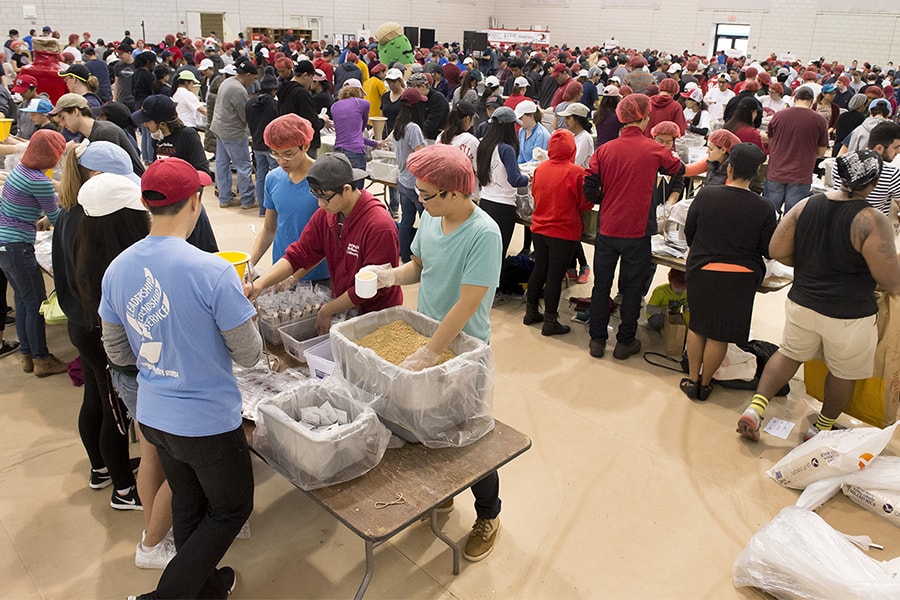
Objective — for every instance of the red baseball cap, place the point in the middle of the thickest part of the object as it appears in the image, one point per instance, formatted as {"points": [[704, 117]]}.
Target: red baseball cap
{"points": [[23, 83], [173, 178]]}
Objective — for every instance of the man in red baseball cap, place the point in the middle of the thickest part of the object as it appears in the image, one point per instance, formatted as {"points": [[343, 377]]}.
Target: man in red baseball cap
{"points": [[179, 314], [25, 86]]}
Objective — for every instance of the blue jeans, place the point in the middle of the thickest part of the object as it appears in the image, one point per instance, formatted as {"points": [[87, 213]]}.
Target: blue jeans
{"points": [[357, 161], [410, 207], [787, 194], [236, 152], [212, 496], [264, 164], [394, 203], [18, 263], [148, 153], [634, 258]]}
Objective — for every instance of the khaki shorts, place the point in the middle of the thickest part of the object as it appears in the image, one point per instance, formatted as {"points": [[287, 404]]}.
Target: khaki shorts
{"points": [[847, 345]]}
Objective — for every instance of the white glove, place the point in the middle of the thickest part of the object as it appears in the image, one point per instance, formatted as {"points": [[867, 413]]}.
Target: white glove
{"points": [[384, 273], [420, 359]]}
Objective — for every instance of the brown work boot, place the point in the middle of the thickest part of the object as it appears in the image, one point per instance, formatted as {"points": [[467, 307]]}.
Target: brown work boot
{"points": [[44, 367], [27, 363], [481, 539]]}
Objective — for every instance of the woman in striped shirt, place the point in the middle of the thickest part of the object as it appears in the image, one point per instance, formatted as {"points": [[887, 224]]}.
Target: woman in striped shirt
{"points": [[28, 192]]}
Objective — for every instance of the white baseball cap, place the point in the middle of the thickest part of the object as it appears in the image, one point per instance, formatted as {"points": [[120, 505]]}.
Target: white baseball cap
{"points": [[525, 107], [674, 68], [521, 82], [352, 83], [491, 81], [574, 109], [393, 74], [583, 73], [106, 193], [206, 64], [229, 70]]}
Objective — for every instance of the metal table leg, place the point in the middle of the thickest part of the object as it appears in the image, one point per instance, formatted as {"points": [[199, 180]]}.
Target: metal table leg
{"points": [[370, 568], [443, 537]]}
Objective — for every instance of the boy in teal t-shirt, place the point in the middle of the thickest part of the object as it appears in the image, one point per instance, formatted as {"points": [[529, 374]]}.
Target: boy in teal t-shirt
{"points": [[456, 257]]}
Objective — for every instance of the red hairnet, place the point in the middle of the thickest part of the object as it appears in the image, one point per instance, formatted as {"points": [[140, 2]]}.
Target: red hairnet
{"points": [[573, 92], [751, 72], [443, 166], [665, 128], [625, 90], [777, 88], [724, 139], [632, 108], [44, 149], [751, 86], [288, 131], [669, 85]]}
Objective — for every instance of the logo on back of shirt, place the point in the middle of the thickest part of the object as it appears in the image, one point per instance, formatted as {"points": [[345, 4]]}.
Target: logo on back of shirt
{"points": [[146, 309], [353, 249]]}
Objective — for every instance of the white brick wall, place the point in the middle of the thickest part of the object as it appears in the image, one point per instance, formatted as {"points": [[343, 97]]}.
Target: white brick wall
{"points": [[790, 25]]}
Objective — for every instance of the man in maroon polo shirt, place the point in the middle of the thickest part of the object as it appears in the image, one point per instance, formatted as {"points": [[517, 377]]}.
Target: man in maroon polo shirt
{"points": [[621, 178], [350, 230]]}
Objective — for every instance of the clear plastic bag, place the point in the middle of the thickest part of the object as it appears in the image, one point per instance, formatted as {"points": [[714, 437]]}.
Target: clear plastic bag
{"points": [[875, 488], [448, 405], [798, 555], [319, 458], [830, 454]]}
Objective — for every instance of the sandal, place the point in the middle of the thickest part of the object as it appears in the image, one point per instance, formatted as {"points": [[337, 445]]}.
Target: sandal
{"points": [[8, 347], [703, 392], [689, 388]]}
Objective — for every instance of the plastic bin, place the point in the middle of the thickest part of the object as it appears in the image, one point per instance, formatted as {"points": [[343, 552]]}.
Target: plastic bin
{"points": [[320, 360], [300, 336], [314, 459], [447, 405]]}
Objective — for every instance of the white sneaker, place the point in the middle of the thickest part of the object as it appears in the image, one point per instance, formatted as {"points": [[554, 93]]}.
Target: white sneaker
{"points": [[156, 557]]}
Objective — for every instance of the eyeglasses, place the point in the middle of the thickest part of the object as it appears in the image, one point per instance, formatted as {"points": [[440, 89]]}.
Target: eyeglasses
{"points": [[424, 198], [285, 156], [321, 195]]}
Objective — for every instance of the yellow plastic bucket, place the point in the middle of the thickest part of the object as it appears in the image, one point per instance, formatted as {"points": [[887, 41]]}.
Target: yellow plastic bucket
{"points": [[238, 259], [5, 128]]}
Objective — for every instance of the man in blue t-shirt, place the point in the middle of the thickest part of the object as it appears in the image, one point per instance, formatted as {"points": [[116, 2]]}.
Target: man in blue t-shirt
{"points": [[456, 260], [180, 315]]}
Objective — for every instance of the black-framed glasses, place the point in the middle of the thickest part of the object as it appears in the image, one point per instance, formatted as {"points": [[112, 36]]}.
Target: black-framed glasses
{"points": [[424, 198], [324, 196], [284, 155]]}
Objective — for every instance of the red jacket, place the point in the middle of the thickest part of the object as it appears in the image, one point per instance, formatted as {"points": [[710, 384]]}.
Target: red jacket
{"points": [[665, 108], [326, 67], [558, 190], [627, 168], [368, 236]]}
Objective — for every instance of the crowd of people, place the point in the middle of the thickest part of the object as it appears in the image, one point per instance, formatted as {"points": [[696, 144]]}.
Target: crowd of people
{"points": [[117, 168]]}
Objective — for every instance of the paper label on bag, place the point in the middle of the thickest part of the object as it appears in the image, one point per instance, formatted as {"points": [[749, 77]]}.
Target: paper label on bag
{"points": [[779, 428]]}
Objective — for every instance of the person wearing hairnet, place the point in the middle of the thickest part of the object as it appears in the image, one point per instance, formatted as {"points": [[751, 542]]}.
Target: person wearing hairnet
{"points": [[288, 201], [456, 261]]}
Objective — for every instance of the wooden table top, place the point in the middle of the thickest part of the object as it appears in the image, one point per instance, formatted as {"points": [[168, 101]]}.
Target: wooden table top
{"points": [[425, 476]]}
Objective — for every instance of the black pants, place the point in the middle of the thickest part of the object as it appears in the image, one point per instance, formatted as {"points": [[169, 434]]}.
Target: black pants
{"points": [[105, 445], [505, 216], [487, 496], [551, 258], [212, 496], [3, 306], [633, 256]]}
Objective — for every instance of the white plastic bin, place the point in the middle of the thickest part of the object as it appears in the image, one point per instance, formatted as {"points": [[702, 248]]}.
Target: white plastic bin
{"points": [[448, 405], [320, 360], [314, 459]]}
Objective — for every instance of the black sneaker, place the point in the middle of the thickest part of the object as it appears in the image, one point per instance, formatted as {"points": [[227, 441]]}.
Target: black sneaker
{"points": [[98, 480], [228, 577], [129, 501], [8, 347]]}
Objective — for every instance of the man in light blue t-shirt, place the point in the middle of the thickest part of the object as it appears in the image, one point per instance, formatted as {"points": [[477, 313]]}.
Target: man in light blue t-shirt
{"points": [[456, 260], [180, 315]]}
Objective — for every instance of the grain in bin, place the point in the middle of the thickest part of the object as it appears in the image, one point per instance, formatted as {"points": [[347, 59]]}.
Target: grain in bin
{"points": [[448, 405]]}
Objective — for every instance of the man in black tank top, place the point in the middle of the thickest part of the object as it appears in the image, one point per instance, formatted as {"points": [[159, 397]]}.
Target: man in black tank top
{"points": [[840, 248]]}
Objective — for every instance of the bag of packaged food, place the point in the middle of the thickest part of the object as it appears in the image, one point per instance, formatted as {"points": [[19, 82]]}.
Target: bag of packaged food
{"points": [[829, 454]]}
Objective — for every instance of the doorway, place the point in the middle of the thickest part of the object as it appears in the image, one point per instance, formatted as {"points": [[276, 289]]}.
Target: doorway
{"points": [[732, 39]]}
